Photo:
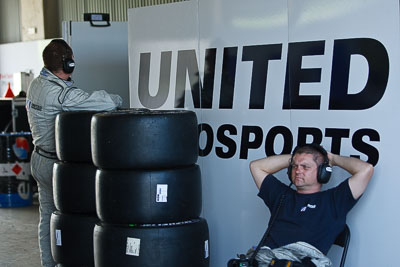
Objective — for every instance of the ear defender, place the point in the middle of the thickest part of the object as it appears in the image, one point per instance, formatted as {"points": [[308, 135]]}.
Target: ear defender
{"points": [[68, 65], [324, 173], [324, 169]]}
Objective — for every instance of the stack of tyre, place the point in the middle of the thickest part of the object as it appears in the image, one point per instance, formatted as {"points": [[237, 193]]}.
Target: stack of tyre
{"points": [[74, 175], [148, 190]]}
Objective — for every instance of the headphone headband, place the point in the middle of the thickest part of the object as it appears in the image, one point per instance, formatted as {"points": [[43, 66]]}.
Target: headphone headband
{"points": [[315, 147]]}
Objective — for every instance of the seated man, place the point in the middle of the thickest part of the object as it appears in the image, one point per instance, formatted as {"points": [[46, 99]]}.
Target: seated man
{"points": [[308, 219]]}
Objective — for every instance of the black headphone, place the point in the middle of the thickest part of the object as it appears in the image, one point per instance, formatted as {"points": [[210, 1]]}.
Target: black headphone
{"points": [[67, 62], [324, 169]]}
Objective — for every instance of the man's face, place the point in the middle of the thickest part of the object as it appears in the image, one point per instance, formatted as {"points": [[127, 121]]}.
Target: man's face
{"points": [[304, 173]]}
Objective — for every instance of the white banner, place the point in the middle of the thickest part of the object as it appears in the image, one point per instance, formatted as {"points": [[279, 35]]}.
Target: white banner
{"points": [[265, 76]]}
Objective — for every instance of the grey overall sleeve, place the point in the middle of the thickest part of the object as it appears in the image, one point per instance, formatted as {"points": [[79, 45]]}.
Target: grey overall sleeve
{"points": [[77, 99]]}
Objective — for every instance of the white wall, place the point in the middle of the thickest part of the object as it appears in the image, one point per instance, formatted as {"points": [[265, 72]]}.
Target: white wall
{"points": [[20, 57], [360, 121]]}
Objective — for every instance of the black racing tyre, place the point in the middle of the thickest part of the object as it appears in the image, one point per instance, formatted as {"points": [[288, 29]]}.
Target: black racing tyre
{"points": [[72, 239], [148, 196], [74, 187], [177, 244], [72, 132], [144, 139]]}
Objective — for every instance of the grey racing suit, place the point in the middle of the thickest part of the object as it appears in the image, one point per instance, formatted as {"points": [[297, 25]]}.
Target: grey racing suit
{"points": [[48, 96]]}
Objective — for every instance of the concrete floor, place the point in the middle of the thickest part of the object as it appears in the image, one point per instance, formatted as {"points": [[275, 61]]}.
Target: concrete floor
{"points": [[18, 237]]}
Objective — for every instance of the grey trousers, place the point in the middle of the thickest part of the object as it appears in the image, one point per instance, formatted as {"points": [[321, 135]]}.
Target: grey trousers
{"points": [[42, 172]]}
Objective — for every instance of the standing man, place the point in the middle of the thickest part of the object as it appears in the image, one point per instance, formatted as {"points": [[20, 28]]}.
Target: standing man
{"points": [[48, 95], [308, 214]]}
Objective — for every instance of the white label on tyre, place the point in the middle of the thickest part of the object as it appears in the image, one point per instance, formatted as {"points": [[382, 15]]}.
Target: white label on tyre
{"points": [[162, 193], [206, 253], [132, 246], [58, 237]]}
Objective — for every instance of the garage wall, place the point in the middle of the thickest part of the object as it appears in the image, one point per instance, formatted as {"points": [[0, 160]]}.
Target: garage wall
{"points": [[9, 21]]}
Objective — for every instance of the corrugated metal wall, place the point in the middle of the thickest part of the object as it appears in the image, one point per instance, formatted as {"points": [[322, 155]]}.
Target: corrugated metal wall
{"points": [[74, 9]]}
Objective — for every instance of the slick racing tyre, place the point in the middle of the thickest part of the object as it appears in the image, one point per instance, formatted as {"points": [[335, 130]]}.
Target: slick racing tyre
{"points": [[72, 239], [144, 139], [72, 132], [74, 187], [180, 244], [148, 196]]}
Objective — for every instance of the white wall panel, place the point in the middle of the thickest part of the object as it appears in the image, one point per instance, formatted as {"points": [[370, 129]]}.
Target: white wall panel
{"points": [[347, 98]]}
